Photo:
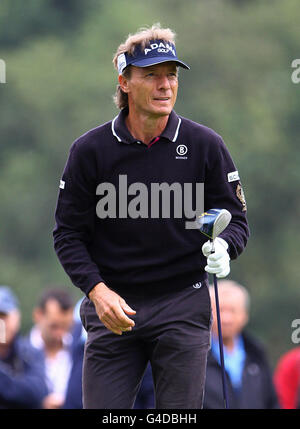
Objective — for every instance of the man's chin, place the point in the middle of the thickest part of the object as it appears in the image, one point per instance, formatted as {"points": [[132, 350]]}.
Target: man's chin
{"points": [[162, 111]]}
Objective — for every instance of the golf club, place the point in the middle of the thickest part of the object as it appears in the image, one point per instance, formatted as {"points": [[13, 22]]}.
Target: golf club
{"points": [[211, 223]]}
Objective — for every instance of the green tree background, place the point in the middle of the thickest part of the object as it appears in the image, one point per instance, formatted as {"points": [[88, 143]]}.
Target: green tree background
{"points": [[60, 82]]}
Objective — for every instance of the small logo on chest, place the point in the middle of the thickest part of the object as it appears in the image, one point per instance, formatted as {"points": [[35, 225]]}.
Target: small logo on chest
{"points": [[181, 150]]}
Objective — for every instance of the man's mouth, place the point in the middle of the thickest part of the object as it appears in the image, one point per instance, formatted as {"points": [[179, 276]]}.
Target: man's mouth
{"points": [[162, 98]]}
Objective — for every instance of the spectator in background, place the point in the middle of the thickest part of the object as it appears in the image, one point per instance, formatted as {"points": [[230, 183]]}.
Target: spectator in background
{"points": [[145, 397], [22, 377], [248, 376], [59, 337], [287, 379], [76, 314]]}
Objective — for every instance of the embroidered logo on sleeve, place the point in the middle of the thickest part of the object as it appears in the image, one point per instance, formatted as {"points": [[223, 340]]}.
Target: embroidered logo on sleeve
{"points": [[241, 196], [62, 184], [234, 175]]}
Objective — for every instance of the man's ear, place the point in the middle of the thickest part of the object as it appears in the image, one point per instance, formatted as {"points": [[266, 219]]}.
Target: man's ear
{"points": [[123, 82], [37, 314]]}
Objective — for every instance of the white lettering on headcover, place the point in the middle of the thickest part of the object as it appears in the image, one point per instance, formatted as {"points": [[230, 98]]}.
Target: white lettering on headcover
{"points": [[121, 63], [160, 48]]}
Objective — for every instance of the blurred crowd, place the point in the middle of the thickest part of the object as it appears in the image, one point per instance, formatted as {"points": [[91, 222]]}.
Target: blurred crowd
{"points": [[43, 369]]}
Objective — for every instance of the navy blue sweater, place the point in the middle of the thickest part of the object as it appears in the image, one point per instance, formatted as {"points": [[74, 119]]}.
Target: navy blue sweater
{"points": [[153, 248]]}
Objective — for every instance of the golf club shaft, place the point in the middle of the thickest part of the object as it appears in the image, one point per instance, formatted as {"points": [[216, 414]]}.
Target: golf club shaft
{"points": [[220, 342]]}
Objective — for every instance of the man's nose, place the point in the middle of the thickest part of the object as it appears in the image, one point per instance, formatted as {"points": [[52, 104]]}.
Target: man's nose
{"points": [[226, 317], [163, 82]]}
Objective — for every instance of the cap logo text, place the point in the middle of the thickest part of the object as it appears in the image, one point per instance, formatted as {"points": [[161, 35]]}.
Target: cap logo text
{"points": [[161, 47]]}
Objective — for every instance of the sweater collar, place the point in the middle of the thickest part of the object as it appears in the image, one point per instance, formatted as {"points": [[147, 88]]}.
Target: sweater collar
{"points": [[122, 134]]}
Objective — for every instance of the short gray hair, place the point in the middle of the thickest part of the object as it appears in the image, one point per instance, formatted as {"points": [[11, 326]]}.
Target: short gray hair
{"points": [[233, 285]]}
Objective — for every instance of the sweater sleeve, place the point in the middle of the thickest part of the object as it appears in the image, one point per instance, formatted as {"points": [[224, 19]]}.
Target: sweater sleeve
{"points": [[75, 217], [223, 189]]}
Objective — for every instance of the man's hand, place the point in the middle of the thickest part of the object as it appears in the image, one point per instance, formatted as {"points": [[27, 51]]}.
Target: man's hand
{"points": [[218, 262], [111, 309], [53, 401]]}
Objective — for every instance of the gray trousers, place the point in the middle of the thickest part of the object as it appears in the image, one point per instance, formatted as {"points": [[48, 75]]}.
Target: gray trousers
{"points": [[172, 331]]}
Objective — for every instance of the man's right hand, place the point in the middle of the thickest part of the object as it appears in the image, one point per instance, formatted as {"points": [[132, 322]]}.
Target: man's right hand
{"points": [[111, 309]]}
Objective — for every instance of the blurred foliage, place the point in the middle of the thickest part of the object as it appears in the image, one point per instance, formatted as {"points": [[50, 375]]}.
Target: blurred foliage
{"points": [[21, 20], [60, 82]]}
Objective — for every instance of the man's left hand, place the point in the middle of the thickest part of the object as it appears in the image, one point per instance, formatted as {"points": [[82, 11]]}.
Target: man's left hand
{"points": [[218, 262]]}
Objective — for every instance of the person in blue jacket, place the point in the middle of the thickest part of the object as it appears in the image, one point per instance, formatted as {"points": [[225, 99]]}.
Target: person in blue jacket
{"points": [[22, 382], [145, 398], [74, 391], [248, 373], [59, 337]]}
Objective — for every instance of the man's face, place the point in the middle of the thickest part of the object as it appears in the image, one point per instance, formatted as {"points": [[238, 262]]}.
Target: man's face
{"points": [[9, 326], [54, 322], [233, 313], [152, 90]]}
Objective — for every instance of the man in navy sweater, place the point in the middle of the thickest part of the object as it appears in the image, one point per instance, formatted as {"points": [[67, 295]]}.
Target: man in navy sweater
{"points": [[125, 233]]}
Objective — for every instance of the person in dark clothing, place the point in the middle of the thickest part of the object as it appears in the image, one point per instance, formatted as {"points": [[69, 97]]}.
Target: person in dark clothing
{"points": [[21, 366], [248, 374], [58, 336], [125, 239], [145, 397], [73, 399]]}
